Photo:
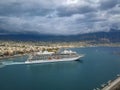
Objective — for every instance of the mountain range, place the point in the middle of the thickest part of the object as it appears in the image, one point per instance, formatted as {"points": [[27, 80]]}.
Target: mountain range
{"points": [[112, 36]]}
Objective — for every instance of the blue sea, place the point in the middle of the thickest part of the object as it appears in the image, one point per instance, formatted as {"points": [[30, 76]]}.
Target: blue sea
{"points": [[98, 66]]}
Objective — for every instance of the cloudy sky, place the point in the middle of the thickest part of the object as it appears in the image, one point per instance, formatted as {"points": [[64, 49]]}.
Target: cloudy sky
{"points": [[58, 17]]}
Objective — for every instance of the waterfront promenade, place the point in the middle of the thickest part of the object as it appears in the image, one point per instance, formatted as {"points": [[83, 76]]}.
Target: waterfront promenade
{"points": [[114, 85]]}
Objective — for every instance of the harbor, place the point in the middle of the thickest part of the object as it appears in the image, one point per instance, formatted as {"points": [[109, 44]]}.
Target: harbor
{"points": [[59, 44], [19, 49], [97, 67]]}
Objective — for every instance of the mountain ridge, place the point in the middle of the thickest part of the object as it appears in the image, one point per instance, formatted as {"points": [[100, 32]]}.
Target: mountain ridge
{"points": [[111, 36]]}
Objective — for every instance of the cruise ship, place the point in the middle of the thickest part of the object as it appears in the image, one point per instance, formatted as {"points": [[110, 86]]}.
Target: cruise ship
{"points": [[45, 57]]}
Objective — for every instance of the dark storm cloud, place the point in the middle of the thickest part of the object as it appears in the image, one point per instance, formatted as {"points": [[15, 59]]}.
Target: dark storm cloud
{"points": [[108, 4], [61, 17]]}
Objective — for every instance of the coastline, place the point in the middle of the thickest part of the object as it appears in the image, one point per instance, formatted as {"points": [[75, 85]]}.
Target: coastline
{"points": [[114, 85], [19, 55], [12, 49]]}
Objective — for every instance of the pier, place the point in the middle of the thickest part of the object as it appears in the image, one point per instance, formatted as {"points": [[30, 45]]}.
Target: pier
{"points": [[114, 85]]}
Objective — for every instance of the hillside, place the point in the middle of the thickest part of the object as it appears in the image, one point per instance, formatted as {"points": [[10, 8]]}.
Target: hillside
{"points": [[111, 36]]}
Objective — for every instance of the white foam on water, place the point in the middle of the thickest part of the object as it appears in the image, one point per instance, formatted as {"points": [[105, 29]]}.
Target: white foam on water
{"points": [[12, 63]]}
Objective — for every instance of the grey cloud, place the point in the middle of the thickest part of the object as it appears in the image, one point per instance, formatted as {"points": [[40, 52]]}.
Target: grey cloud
{"points": [[21, 8], [68, 11], [57, 17], [108, 4], [115, 10]]}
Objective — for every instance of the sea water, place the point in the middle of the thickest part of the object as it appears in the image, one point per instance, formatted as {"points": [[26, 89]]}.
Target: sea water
{"points": [[98, 66]]}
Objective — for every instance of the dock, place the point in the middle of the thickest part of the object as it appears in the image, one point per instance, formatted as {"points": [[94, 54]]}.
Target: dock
{"points": [[114, 85]]}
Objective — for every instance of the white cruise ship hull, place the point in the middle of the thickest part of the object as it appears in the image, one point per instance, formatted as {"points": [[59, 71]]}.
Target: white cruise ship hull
{"points": [[53, 60]]}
